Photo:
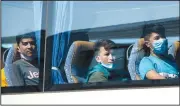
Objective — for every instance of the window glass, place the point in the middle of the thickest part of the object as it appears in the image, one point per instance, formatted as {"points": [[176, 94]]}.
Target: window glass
{"points": [[72, 55], [22, 46]]}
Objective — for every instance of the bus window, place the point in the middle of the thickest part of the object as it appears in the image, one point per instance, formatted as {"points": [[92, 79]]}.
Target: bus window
{"points": [[68, 62], [23, 41]]}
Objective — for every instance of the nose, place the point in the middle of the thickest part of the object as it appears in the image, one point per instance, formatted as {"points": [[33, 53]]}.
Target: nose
{"points": [[111, 57]]}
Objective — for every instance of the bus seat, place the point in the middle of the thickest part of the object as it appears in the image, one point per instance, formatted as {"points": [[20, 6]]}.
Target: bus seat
{"points": [[137, 53], [78, 59], [174, 51], [3, 79], [12, 51], [174, 48], [177, 58], [5, 55], [68, 40], [12, 55]]}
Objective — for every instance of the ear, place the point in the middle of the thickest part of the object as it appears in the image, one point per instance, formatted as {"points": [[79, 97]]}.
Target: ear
{"points": [[147, 43], [18, 49], [98, 59]]}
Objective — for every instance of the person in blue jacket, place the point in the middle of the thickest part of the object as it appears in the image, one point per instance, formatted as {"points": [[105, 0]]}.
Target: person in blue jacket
{"points": [[158, 64]]}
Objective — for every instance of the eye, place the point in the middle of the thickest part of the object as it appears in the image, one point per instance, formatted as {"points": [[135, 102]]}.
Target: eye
{"points": [[157, 37], [107, 54], [26, 43], [32, 43]]}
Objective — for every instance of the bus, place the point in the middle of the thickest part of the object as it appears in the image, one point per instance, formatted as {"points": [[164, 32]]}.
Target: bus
{"points": [[65, 32]]}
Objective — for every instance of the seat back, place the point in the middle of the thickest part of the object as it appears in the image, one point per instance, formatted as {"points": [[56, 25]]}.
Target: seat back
{"points": [[78, 59], [177, 58], [1, 58], [174, 51], [137, 53], [175, 46], [12, 55]]}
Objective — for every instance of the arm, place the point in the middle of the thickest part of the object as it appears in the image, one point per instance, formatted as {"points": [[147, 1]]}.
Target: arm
{"points": [[138, 77], [153, 75], [147, 70], [16, 76], [97, 77]]}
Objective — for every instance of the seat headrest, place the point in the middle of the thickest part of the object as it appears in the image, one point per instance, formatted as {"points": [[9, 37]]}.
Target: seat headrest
{"points": [[136, 54], [177, 46], [16, 53], [177, 52], [140, 43], [82, 53], [78, 59], [11, 54]]}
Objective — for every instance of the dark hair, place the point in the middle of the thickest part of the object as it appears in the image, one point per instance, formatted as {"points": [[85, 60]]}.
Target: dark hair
{"points": [[107, 44], [150, 28], [27, 35], [147, 30]]}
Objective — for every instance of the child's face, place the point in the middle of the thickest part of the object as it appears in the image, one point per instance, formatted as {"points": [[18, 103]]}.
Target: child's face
{"points": [[105, 56]]}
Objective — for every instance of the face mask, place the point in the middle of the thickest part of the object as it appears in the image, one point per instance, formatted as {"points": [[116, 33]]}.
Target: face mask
{"points": [[160, 46], [109, 66], [27, 57]]}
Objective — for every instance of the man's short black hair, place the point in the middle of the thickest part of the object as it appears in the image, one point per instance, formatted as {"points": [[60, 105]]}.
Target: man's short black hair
{"points": [[147, 30], [150, 28], [107, 44], [27, 35]]}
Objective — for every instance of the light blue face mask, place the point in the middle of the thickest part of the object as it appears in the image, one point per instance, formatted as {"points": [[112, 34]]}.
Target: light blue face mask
{"points": [[160, 46], [109, 66]]}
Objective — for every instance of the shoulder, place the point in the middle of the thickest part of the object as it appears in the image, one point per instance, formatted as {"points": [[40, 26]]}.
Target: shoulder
{"points": [[97, 77], [146, 59], [146, 62], [99, 68], [95, 68], [17, 62], [20, 63], [97, 73]]}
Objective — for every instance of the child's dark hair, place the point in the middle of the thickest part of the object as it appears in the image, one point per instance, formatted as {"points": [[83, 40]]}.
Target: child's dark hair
{"points": [[107, 44]]}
